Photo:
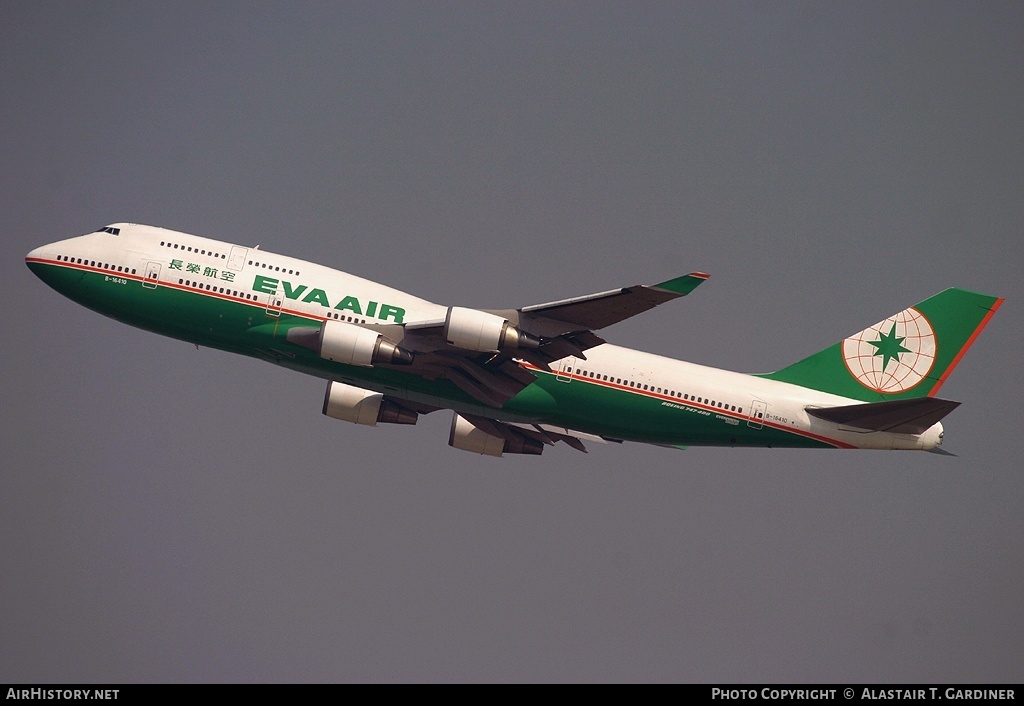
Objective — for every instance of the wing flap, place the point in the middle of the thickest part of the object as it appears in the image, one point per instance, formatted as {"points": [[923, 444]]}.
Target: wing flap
{"points": [[569, 344], [568, 436], [544, 433]]}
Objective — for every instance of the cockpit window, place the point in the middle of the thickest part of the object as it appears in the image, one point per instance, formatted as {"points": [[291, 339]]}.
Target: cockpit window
{"points": [[109, 229]]}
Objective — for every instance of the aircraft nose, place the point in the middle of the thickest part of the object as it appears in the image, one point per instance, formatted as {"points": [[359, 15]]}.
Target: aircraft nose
{"points": [[40, 261], [35, 260]]}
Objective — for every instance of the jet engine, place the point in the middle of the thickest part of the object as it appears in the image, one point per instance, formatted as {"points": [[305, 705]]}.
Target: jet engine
{"points": [[354, 404], [468, 437], [476, 330], [350, 344]]}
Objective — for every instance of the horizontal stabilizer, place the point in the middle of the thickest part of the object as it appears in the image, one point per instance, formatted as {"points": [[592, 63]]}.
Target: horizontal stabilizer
{"points": [[910, 416]]}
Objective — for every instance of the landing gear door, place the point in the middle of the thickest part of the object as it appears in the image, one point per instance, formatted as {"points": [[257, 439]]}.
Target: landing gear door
{"points": [[757, 411]]}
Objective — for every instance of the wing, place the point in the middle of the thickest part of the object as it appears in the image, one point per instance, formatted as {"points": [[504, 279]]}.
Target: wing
{"points": [[547, 332], [595, 311]]}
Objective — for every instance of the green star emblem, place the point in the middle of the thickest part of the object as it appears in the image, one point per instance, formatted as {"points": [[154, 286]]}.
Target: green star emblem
{"points": [[889, 346]]}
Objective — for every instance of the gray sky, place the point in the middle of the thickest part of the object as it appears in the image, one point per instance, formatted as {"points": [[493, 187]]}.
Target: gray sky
{"points": [[180, 515]]}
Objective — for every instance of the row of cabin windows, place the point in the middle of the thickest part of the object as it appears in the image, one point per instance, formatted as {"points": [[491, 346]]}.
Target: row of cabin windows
{"points": [[197, 251], [93, 263], [222, 256], [221, 290], [671, 393], [274, 268], [253, 297], [342, 317]]}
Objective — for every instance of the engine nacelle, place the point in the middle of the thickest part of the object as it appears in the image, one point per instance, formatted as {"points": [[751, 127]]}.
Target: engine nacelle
{"points": [[354, 404], [477, 330], [354, 345], [468, 437]]}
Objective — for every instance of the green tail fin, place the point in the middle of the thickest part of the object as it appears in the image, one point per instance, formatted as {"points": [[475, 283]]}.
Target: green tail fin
{"points": [[909, 354]]}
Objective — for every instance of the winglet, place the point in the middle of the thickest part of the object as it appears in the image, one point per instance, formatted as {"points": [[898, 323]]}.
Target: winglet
{"points": [[683, 285]]}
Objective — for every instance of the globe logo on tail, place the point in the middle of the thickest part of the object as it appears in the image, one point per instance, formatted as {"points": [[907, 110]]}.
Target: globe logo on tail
{"points": [[893, 355]]}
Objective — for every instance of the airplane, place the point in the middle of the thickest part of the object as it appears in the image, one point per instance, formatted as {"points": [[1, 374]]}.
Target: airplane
{"points": [[517, 380]]}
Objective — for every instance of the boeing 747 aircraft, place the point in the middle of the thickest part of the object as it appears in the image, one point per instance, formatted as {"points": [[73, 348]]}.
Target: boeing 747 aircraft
{"points": [[520, 379]]}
